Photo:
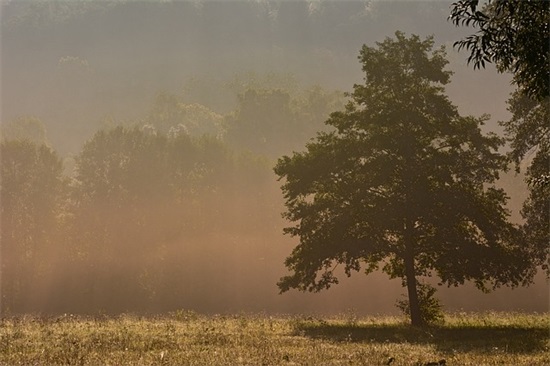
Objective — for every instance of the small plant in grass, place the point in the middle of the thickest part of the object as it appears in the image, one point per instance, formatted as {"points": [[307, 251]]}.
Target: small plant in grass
{"points": [[351, 317], [431, 310]]}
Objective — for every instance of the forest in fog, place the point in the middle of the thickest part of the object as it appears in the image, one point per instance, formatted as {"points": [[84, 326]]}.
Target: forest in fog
{"points": [[139, 141]]}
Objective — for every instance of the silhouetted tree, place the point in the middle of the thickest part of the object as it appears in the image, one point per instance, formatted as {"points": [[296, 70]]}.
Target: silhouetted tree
{"points": [[529, 133], [515, 36], [404, 183]]}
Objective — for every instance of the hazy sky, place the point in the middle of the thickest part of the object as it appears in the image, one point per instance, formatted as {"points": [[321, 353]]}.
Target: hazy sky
{"points": [[72, 63]]}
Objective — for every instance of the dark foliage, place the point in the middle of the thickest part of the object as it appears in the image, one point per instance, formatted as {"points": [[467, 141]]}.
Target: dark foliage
{"points": [[514, 35], [404, 183]]}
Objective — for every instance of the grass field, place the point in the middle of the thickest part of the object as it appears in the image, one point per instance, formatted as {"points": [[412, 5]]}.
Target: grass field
{"points": [[186, 338]]}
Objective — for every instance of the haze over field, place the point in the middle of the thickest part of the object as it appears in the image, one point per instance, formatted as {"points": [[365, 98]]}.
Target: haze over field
{"points": [[73, 63], [208, 67]]}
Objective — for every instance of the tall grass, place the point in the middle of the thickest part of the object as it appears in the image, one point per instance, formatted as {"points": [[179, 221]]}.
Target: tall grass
{"points": [[187, 338]]}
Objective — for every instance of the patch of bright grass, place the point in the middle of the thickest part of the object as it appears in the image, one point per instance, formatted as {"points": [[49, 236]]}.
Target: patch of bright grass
{"points": [[187, 338]]}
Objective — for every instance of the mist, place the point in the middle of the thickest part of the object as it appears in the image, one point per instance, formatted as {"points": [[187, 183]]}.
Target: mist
{"points": [[164, 120]]}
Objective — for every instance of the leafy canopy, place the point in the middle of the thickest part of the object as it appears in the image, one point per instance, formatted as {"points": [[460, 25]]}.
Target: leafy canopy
{"points": [[514, 35], [529, 135]]}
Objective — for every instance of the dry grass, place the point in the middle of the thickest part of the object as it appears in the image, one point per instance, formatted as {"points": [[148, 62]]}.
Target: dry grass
{"points": [[186, 338]]}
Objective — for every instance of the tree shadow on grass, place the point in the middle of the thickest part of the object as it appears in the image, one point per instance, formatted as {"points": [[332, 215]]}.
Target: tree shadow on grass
{"points": [[511, 339]]}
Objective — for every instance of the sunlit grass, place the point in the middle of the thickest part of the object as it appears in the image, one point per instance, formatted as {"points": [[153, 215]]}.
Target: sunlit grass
{"points": [[186, 338]]}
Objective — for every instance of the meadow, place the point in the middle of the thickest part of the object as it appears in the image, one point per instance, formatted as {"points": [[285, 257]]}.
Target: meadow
{"points": [[188, 338]]}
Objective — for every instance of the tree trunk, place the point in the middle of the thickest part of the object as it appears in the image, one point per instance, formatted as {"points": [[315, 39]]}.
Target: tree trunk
{"points": [[414, 304], [410, 273]]}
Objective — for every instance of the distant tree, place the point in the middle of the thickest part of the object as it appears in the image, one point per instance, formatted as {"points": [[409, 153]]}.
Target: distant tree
{"points": [[31, 195], [25, 128], [262, 123], [119, 189], [272, 122], [313, 106], [137, 196], [404, 183], [169, 114], [514, 35], [250, 80]]}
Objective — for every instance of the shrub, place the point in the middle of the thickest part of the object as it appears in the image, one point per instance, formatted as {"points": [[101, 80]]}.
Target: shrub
{"points": [[431, 309]]}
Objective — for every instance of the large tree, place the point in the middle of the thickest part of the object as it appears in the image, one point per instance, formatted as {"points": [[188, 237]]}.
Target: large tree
{"points": [[404, 184]]}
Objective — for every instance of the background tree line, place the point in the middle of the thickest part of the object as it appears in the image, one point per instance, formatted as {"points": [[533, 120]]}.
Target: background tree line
{"points": [[150, 212]]}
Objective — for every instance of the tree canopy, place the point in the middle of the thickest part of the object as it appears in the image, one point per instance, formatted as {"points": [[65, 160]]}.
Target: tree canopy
{"points": [[515, 36], [25, 128], [529, 134], [512, 34], [275, 121], [404, 184]]}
